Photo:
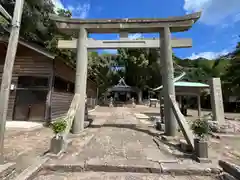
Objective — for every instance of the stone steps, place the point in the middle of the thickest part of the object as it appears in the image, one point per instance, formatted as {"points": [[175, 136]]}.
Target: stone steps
{"points": [[135, 166]]}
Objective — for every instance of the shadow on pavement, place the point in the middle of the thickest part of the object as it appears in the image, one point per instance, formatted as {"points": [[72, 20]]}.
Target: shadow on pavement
{"points": [[127, 126]]}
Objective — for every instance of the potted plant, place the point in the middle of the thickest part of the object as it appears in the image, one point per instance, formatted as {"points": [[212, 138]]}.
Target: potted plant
{"points": [[57, 142], [201, 129]]}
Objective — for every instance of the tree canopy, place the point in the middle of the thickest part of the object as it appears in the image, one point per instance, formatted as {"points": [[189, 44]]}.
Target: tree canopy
{"points": [[141, 67]]}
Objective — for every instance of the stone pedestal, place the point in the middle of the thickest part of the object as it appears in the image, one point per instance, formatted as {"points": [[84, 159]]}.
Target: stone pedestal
{"points": [[201, 148], [57, 145], [201, 151]]}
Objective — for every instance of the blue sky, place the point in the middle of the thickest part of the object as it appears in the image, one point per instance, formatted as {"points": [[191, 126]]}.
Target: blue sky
{"points": [[216, 33]]}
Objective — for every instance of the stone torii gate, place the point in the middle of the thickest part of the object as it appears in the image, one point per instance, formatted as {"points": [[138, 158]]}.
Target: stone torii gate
{"points": [[81, 27]]}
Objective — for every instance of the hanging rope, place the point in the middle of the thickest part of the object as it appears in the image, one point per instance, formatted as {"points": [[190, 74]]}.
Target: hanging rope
{"points": [[177, 67], [174, 80]]}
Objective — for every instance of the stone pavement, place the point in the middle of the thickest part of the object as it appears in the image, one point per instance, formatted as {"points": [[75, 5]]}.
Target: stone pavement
{"points": [[122, 144], [117, 176]]}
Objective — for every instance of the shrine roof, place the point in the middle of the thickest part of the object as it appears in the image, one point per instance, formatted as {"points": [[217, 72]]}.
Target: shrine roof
{"points": [[190, 84]]}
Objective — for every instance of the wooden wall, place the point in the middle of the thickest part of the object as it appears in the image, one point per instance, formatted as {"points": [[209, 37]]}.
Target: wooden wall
{"points": [[60, 103], [27, 63], [63, 71], [31, 63], [61, 100]]}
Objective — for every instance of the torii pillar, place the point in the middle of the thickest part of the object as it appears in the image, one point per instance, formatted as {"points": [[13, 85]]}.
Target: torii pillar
{"points": [[81, 80], [168, 80]]}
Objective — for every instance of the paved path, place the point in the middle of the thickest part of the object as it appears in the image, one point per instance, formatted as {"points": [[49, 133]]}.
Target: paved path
{"points": [[122, 140], [123, 144]]}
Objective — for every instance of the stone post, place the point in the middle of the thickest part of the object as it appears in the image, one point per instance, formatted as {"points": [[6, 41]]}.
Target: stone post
{"points": [[140, 97], [168, 83], [133, 103], [111, 102], [217, 100], [81, 80], [199, 105]]}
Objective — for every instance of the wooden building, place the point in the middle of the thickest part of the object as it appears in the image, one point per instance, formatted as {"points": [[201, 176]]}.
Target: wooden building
{"points": [[42, 84]]}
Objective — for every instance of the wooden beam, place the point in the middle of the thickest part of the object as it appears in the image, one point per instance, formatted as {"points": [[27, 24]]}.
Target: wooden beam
{"points": [[125, 43], [8, 69]]}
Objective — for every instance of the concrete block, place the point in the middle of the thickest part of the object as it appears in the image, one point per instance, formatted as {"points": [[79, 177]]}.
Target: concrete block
{"points": [[230, 168], [5, 169], [66, 167], [226, 176], [185, 146], [32, 170], [188, 169], [203, 160], [122, 165]]}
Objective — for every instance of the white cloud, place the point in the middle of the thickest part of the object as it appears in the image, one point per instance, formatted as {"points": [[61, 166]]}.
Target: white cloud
{"points": [[58, 4], [213, 11], [237, 18], [135, 36], [208, 55], [80, 11]]}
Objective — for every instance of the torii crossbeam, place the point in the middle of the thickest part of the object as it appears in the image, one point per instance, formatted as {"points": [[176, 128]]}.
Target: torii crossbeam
{"points": [[124, 43], [80, 28]]}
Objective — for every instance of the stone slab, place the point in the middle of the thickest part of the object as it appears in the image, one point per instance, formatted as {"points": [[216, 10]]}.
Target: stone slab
{"points": [[114, 176], [141, 116], [189, 169], [24, 125], [5, 169], [145, 121], [230, 168], [203, 160], [32, 170], [66, 167], [122, 165], [168, 138]]}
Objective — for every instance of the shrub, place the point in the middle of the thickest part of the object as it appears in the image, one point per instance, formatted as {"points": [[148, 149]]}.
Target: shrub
{"points": [[200, 128], [59, 126]]}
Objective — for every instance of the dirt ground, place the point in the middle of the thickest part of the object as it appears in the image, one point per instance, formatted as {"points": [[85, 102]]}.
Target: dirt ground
{"points": [[18, 142]]}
